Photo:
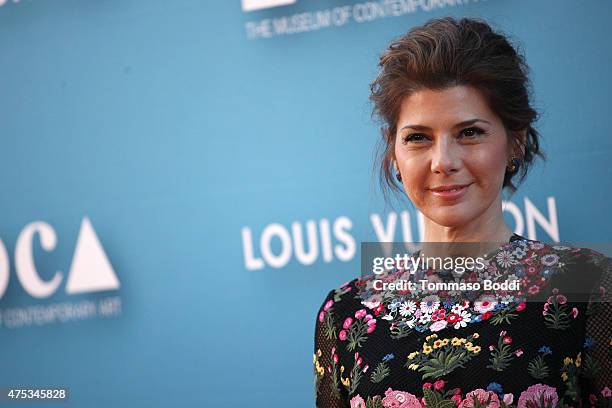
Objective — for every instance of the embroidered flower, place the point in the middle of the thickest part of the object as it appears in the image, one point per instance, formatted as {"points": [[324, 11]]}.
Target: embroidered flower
{"points": [[487, 398], [360, 313], [407, 308], [532, 396], [425, 318], [394, 305], [485, 304], [505, 259], [438, 314], [388, 357], [457, 308], [357, 402], [495, 387], [533, 290], [373, 301], [545, 350], [400, 399], [459, 320], [589, 342], [430, 303], [438, 385], [549, 259], [439, 325]]}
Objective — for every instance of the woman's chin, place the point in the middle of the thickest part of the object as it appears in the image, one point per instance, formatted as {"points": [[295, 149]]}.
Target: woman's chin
{"points": [[450, 219]]}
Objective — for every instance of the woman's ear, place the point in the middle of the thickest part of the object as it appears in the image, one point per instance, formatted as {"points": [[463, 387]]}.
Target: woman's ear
{"points": [[519, 139]]}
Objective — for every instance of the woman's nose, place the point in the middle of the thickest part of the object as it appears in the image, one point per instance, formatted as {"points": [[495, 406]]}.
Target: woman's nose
{"points": [[445, 156]]}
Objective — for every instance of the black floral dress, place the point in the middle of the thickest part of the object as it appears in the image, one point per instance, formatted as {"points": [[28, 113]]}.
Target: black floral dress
{"points": [[542, 346]]}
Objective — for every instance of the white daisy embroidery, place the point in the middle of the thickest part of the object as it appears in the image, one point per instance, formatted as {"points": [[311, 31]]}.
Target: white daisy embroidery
{"points": [[407, 308]]}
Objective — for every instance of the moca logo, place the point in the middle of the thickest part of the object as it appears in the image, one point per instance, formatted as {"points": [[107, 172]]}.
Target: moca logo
{"points": [[90, 270], [252, 5]]}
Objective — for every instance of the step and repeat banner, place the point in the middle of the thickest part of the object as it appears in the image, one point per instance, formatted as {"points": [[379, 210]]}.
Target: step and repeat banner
{"points": [[184, 181]]}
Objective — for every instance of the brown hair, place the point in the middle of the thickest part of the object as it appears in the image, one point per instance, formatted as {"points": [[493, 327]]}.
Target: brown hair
{"points": [[447, 52]]}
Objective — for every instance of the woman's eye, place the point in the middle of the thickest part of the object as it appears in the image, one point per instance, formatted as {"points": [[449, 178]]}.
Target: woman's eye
{"points": [[471, 132], [414, 138]]}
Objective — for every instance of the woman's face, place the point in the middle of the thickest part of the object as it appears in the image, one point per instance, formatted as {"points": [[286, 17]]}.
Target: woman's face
{"points": [[452, 152]]}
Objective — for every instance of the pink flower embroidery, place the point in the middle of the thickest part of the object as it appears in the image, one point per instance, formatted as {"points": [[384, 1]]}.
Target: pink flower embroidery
{"points": [[357, 402], [328, 305], [371, 325], [532, 395], [606, 392], [400, 399], [360, 313], [481, 396], [347, 323], [533, 290], [486, 304], [342, 335], [437, 326]]}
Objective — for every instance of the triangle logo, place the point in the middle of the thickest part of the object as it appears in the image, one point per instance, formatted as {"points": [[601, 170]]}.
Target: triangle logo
{"points": [[90, 270]]}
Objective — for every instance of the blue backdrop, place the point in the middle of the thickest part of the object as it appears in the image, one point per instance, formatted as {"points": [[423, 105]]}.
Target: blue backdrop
{"points": [[164, 161]]}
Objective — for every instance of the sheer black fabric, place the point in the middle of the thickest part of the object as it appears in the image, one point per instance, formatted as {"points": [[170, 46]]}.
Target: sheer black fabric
{"points": [[550, 347]]}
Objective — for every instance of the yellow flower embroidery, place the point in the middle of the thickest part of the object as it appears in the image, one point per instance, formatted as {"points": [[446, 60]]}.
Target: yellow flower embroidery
{"points": [[564, 376], [438, 344], [346, 382], [413, 367], [578, 360], [455, 341], [476, 335], [567, 361], [427, 349], [433, 336], [476, 349], [469, 345], [444, 342], [413, 355]]}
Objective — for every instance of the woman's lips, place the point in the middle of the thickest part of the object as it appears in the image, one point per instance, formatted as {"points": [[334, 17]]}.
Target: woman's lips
{"points": [[450, 192]]}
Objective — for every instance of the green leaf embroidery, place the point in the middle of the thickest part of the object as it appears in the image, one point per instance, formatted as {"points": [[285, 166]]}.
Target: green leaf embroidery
{"points": [[380, 373], [356, 334], [557, 316], [538, 368], [328, 325]]}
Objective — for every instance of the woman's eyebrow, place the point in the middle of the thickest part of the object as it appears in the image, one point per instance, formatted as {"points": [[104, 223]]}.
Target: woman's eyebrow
{"points": [[458, 125]]}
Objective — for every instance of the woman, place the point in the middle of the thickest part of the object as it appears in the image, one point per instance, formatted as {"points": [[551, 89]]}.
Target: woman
{"points": [[458, 129]]}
